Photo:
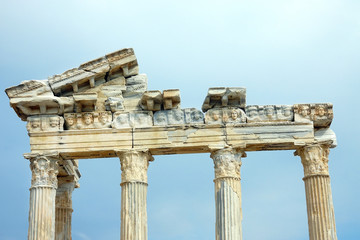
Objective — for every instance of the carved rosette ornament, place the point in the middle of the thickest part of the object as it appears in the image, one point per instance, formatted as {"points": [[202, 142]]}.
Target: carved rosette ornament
{"points": [[134, 165], [314, 159], [227, 163], [44, 170]]}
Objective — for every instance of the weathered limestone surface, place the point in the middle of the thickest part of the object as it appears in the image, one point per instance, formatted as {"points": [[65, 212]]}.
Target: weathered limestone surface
{"points": [[138, 119], [42, 195], [178, 117], [41, 105], [223, 97], [63, 206], [95, 72], [320, 113], [30, 88], [321, 217], [88, 120], [225, 115], [45, 123], [227, 163], [134, 165], [269, 113]]}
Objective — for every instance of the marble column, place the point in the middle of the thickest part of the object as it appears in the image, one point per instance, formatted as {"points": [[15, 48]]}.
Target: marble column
{"points": [[134, 165], [63, 206], [320, 210], [42, 196], [227, 164]]}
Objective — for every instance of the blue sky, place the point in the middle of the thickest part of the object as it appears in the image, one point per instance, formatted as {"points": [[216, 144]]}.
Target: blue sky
{"points": [[283, 52]]}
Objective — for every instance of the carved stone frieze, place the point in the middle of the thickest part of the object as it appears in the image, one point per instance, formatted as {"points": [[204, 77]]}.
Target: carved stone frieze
{"points": [[320, 113], [225, 97], [41, 105], [134, 165], [45, 123], [44, 168], [193, 116], [227, 162], [314, 159], [225, 116], [178, 117], [88, 120], [269, 113], [138, 119]]}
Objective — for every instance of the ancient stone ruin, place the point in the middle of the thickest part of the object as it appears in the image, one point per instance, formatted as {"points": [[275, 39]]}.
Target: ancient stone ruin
{"points": [[103, 109]]}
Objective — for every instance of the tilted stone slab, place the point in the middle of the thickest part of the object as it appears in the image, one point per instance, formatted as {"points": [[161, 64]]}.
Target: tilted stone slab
{"points": [[121, 63], [30, 88]]}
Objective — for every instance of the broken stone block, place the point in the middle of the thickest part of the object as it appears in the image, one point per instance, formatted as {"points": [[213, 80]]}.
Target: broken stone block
{"points": [[171, 99], [114, 104], [136, 84], [151, 100], [225, 97]]}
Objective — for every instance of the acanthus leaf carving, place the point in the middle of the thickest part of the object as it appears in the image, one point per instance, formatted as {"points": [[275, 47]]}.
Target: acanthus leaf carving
{"points": [[134, 165], [44, 168], [227, 162], [315, 159]]}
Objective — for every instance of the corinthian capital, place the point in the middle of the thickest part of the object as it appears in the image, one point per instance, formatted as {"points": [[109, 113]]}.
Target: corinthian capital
{"points": [[44, 168], [314, 159], [134, 165], [227, 162]]}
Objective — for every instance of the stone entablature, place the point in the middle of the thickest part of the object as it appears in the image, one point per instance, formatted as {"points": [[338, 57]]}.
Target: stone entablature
{"points": [[103, 109]]}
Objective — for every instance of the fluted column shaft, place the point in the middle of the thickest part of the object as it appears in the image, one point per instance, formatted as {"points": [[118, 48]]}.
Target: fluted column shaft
{"points": [[63, 206], [320, 210], [227, 164], [134, 165], [42, 196]]}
